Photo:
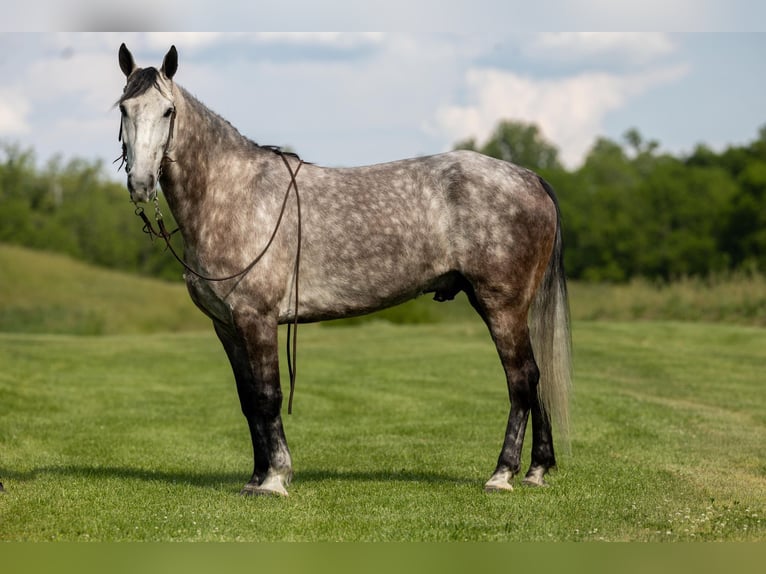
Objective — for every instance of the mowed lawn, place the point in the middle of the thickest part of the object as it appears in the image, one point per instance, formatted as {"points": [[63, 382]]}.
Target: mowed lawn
{"points": [[394, 431]]}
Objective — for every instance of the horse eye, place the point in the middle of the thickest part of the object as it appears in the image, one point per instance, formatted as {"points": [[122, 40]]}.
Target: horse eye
{"points": [[169, 112]]}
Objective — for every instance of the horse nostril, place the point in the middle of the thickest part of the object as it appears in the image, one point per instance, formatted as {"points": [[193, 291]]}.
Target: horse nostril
{"points": [[131, 187]]}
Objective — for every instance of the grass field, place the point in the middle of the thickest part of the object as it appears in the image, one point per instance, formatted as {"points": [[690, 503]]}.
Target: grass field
{"points": [[119, 419], [395, 428]]}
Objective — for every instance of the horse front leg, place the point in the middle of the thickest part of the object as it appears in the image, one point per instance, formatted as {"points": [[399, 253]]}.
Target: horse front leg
{"points": [[251, 345]]}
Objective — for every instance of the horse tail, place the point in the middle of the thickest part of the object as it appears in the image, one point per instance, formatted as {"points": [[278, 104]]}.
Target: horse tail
{"points": [[551, 337]]}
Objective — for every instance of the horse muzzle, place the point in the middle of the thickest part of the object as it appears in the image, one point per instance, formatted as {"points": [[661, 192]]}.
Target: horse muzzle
{"points": [[142, 189]]}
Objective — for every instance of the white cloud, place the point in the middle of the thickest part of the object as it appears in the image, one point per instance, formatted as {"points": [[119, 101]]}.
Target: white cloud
{"points": [[569, 111], [628, 47], [14, 109], [338, 39], [94, 78], [188, 40], [678, 15], [337, 111], [202, 40]]}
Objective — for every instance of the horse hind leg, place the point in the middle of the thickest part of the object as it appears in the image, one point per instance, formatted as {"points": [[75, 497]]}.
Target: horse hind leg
{"points": [[508, 327], [543, 457], [521, 375]]}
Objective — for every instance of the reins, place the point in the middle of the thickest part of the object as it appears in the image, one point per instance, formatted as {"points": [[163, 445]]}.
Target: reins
{"points": [[292, 328]]}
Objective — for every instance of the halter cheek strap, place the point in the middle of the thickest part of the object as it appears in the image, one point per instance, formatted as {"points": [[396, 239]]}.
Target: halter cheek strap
{"points": [[171, 133]]}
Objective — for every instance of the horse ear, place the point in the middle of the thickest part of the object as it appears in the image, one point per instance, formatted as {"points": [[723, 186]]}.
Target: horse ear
{"points": [[127, 65], [170, 63]]}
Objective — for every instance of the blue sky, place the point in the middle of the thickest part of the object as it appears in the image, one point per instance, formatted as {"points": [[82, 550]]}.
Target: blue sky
{"points": [[359, 98]]}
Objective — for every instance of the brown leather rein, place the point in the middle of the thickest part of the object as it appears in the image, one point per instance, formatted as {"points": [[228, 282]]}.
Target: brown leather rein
{"points": [[165, 235]]}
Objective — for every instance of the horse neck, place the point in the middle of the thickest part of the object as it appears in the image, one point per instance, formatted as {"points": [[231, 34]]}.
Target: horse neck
{"points": [[202, 141]]}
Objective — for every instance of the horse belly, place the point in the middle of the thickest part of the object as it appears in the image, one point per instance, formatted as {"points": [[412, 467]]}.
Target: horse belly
{"points": [[364, 285]]}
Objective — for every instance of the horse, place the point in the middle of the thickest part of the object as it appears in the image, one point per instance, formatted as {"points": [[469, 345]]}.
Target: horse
{"points": [[260, 226]]}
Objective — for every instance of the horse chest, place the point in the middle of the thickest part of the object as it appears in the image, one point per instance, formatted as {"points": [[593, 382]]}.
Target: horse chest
{"points": [[207, 300]]}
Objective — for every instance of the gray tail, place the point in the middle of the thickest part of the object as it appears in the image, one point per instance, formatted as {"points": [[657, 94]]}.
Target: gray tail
{"points": [[551, 337]]}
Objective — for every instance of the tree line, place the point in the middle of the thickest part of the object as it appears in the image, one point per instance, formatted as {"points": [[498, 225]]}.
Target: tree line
{"points": [[628, 211], [75, 209], [631, 211]]}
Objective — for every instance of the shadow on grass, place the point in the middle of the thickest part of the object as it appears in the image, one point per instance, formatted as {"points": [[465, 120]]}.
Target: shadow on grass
{"points": [[201, 479], [225, 479], [402, 476]]}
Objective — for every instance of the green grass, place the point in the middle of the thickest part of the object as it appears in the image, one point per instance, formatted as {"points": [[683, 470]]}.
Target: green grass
{"points": [[395, 428], [137, 435], [737, 299]]}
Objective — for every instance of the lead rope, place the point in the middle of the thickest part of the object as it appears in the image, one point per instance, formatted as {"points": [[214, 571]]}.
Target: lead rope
{"points": [[292, 352], [165, 235]]}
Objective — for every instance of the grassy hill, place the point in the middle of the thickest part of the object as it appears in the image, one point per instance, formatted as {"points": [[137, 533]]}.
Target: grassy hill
{"points": [[47, 293], [43, 292]]}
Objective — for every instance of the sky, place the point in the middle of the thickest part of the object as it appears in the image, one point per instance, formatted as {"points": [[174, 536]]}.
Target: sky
{"points": [[344, 99]]}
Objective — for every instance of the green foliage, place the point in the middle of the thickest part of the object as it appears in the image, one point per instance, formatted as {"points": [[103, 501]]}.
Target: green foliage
{"points": [[520, 143], [74, 209], [394, 431]]}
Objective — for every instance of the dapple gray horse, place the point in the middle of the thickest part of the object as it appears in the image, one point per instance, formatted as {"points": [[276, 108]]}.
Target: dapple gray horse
{"points": [[365, 238]]}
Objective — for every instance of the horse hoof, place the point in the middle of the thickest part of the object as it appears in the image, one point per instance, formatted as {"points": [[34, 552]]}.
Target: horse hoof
{"points": [[534, 477], [256, 490], [499, 482], [490, 488], [271, 486]]}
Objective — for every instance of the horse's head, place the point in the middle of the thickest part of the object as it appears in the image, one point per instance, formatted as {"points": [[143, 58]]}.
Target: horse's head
{"points": [[148, 112]]}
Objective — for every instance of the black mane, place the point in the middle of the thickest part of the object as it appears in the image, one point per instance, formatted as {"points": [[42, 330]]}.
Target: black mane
{"points": [[143, 79]]}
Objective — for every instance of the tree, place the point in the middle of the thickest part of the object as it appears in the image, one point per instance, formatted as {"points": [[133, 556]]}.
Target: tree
{"points": [[639, 145], [520, 143]]}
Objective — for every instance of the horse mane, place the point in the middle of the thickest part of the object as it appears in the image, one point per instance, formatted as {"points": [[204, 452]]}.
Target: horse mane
{"points": [[143, 79]]}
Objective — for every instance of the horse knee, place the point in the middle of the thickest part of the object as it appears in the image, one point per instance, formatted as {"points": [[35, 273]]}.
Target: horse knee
{"points": [[262, 403]]}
